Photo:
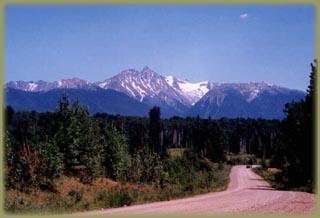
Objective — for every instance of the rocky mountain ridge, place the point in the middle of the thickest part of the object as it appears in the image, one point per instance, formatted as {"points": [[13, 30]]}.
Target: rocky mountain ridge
{"points": [[180, 97]]}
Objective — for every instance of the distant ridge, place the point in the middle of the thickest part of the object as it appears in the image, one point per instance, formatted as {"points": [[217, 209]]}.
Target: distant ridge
{"points": [[140, 90]]}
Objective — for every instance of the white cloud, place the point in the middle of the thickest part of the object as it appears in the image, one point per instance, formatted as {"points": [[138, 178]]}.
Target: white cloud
{"points": [[244, 16]]}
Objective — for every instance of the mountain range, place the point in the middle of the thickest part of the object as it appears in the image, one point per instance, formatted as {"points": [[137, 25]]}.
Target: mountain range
{"points": [[134, 92]]}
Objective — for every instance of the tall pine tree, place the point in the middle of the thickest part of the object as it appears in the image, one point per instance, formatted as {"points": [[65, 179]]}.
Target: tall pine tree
{"points": [[297, 146]]}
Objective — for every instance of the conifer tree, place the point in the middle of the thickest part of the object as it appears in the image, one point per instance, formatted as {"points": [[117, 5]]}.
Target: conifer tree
{"points": [[297, 146], [154, 129]]}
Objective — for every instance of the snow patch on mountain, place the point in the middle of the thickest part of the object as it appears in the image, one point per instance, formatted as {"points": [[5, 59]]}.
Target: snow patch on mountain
{"points": [[169, 80], [32, 86], [192, 91], [153, 89], [42, 86], [253, 94]]}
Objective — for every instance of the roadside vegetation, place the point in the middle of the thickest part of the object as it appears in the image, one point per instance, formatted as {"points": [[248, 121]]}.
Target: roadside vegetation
{"points": [[69, 160], [180, 178], [292, 167], [277, 179], [73, 195]]}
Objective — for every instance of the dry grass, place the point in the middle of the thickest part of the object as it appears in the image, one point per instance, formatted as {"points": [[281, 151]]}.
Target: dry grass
{"points": [[44, 200], [89, 190], [273, 170], [72, 195], [175, 152]]}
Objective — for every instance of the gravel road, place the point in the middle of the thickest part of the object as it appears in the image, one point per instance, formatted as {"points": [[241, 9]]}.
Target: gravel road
{"points": [[247, 193]]}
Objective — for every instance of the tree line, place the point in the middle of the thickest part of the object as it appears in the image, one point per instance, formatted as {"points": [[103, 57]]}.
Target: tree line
{"points": [[41, 147]]}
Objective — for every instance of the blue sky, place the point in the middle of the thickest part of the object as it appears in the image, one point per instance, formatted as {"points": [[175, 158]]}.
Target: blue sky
{"points": [[219, 43]]}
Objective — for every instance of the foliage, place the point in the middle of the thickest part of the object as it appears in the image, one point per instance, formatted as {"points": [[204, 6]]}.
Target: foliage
{"points": [[208, 140], [95, 196], [53, 160], [121, 148], [146, 167], [295, 155], [17, 205], [77, 139], [276, 179], [75, 195], [241, 159], [119, 198], [115, 155], [27, 170]]}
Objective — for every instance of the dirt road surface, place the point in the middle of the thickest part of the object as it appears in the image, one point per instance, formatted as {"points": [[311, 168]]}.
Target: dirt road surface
{"points": [[247, 193]]}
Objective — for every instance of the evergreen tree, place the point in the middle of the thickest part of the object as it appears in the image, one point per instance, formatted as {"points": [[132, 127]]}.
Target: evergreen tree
{"points": [[297, 147], [66, 137], [53, 161], [154, 129], [77, 139], [136, 137], [9, 112]]}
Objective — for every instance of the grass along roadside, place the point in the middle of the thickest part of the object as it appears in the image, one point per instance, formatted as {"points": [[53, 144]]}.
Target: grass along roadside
{"points": [[72, 195], [276, 179]]}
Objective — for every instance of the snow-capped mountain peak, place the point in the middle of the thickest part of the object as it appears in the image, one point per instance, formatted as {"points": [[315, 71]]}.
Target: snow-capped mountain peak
{"points": [[178, 97], [146, 86], [137, 84], [42, 86], [148, 72], [192, 91]]}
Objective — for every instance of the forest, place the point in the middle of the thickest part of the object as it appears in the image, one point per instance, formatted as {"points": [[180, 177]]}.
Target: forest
{"points": [[148, 157]]}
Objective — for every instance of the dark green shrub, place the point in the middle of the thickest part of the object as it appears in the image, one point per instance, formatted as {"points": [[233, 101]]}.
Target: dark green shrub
{"points": [[102, 195], [221, 165], [85, 205], [264, 164], [75, 195], [18, 204], [120, 198], [277, 160]]}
